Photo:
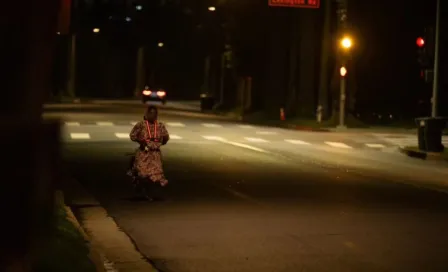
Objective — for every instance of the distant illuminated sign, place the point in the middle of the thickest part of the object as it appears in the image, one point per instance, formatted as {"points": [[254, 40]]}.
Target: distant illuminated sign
{"points": [[295, 3]]}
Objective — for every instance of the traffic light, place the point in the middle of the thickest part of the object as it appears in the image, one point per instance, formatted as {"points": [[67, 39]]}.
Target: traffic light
{"points": [[420, 42], [425, 48]]}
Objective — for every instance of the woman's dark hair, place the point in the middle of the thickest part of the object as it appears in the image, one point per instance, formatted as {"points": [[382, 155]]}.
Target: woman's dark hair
{"points": [[154, 108]]}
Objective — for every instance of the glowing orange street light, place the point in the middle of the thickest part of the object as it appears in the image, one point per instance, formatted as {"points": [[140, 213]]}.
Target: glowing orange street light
{"points": [[346, 43]]}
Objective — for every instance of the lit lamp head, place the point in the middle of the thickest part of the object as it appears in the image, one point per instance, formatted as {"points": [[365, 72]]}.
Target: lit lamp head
{"points": [[346, 43]]}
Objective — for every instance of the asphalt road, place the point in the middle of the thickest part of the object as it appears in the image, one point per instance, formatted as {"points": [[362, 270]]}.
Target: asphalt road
{"points": [[244, 198]]}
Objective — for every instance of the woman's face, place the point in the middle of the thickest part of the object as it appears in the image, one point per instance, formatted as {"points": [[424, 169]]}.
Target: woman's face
{"points": [[151, 114]]}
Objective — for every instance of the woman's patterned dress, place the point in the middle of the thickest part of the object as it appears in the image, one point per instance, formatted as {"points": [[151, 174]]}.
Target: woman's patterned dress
{"points": [[148, 161]]}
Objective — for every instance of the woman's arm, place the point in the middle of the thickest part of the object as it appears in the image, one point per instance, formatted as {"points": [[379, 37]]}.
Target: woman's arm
{"points": [[136, 133], [164, 134]]}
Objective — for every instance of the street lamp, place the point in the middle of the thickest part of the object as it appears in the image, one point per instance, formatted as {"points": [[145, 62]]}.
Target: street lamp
{"points": [[96, 30], [160, 44], [346, 43], [211, 8]]}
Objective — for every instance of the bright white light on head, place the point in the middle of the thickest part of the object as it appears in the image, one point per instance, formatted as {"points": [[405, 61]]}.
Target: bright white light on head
{"points": [[128, 19], [160, 44], [211, 8], [139, 7], [96, 30]]}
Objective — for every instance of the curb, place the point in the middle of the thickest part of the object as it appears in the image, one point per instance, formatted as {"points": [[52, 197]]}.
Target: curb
{"points": [[117, 249], [421, 154], [304, 128], [94, 254]]}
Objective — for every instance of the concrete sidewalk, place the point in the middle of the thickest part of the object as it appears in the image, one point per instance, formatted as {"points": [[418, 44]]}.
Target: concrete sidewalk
{"points": [[113, 244]]}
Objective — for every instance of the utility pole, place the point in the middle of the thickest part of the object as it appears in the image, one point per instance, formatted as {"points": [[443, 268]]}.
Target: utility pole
{"points": [[140, 70], [435, 83], [71, 80], [344, 47], [322, 109], [206, 83]]}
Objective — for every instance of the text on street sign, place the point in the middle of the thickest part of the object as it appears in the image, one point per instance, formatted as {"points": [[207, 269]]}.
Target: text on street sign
{"points": [[295, 3]]}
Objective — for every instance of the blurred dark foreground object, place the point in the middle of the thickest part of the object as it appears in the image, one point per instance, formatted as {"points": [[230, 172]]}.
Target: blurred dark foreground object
{"points": [[29, 147], [30, 164]]}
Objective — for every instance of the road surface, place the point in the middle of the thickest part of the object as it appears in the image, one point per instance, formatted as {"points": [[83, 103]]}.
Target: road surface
{"points": [[245, 198]]}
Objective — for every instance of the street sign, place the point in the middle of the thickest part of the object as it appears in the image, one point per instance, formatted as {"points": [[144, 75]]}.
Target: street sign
{"points": [[314, 4]]}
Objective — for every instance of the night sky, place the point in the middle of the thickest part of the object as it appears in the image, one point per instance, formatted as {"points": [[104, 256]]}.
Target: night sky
{"points": [[386, 76]]}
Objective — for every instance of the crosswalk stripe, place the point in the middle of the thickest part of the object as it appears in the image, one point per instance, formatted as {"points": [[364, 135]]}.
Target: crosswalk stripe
{"points": [[72, 124], [255, 140], [375, 145], [80, 136], [175, 124], [208, 125], [266, 132], [122, 135], [246, 126], [213, 138], [297, 142], [338, 145], [105, 124]]}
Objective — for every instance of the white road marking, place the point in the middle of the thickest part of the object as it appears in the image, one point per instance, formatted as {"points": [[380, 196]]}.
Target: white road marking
{"points": [[375, 145], [266, 132], [222, 140], [134, 123], [175, 137], [80, 136], [175, 124], [214, 138], [339, 145], [122, 135], [255, 140], [72, 124], [246, 126], [105, 124], [208, 125], [247, 146], [297, 142]]}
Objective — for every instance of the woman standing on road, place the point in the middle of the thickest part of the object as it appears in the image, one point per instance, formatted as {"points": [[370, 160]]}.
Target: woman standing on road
{"points": [[147, 165]]}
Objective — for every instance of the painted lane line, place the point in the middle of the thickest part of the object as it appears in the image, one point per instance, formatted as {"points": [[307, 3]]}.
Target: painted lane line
{"points": [[175, 124], [255, 140], [80, 136], [72, 124], [122, 136], [208, 125], [247, 146], [214, 138], [375, 145], [296, 142], [338, 145], [175, 137], [105, 124], [222, 140], [245, 126], [266, 132]]}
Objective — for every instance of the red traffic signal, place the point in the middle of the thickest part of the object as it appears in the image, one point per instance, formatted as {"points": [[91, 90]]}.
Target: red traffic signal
{"points": [[420, 42]]}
